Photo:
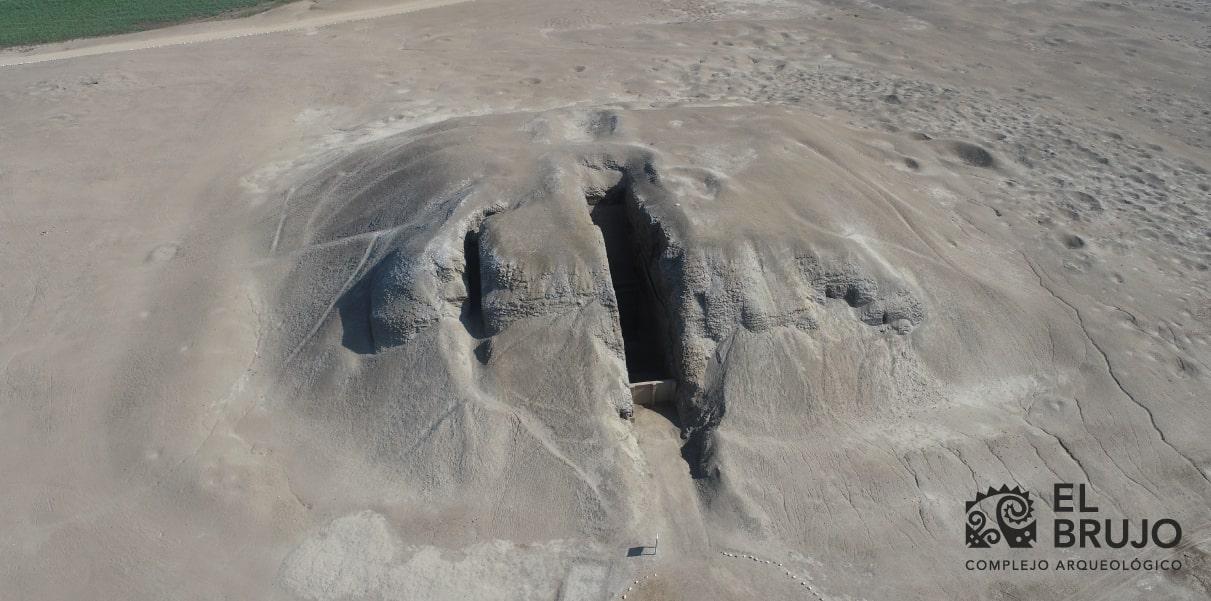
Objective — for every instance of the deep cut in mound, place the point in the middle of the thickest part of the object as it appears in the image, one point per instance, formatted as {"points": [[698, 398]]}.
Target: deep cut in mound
{"points": [[643, 340], [472, 310]]}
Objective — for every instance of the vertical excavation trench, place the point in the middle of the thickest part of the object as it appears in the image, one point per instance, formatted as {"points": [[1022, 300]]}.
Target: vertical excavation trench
{"points": [[472, 314], [643, 339], [472, 309]]}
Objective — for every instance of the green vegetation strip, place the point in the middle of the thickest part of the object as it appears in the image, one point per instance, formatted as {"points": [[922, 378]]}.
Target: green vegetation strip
{"points": [[24, 22]]}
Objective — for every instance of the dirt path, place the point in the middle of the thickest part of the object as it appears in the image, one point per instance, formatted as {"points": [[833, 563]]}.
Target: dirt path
{"points": [[682, 532], [221, 30]]}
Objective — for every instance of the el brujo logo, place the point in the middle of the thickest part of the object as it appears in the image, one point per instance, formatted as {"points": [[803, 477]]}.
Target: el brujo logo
{"points": [[1007, 514], [1012, 518]]}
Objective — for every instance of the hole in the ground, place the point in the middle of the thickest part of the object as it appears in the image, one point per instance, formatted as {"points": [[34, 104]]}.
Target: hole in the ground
{"points": [[472, 314], [354, 309], [643, 340]]}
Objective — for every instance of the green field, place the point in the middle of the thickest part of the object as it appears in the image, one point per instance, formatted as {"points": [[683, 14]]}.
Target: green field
{"points": [[25, 22]]}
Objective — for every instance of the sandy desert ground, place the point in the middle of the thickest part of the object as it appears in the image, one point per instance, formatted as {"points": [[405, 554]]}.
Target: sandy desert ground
{"points": [[341, 301]]}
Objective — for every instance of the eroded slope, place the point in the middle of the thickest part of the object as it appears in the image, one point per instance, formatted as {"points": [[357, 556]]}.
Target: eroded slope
{"points": [[846, 355]]}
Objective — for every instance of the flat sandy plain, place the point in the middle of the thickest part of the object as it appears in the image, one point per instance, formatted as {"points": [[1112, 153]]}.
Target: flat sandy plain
{"points": [[315, 304]]}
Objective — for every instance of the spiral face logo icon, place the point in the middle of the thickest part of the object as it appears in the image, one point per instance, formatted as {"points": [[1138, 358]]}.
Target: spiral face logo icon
{"points": [[1012, 520]]}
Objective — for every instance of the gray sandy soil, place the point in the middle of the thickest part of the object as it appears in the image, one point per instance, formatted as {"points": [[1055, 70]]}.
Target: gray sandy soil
{"points": [[321, 304]]}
